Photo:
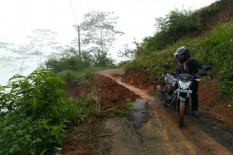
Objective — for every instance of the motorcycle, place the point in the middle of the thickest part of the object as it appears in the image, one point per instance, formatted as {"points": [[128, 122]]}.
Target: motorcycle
{"points": [[177, 90]]}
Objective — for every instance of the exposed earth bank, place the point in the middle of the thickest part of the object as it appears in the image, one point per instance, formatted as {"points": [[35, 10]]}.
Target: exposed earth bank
{"points": [[150, 128]]}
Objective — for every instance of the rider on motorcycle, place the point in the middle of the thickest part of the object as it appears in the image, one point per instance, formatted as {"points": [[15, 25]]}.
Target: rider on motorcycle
{"points": [[188, 64]]}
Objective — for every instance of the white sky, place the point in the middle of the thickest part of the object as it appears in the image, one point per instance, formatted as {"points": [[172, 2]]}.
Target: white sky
{"points": [[136, 17]]}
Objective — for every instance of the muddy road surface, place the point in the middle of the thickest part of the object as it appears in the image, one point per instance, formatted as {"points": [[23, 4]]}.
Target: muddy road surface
{"points": [[152, 129]]}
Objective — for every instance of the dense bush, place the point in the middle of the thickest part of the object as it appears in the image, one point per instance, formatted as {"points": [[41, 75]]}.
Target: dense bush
{"points": [[73, 63], [35, 113], [68, 75], [67, 63]]}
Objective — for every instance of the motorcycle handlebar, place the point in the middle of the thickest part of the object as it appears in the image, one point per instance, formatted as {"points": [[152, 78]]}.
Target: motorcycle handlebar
{"points": [[203, 72]]}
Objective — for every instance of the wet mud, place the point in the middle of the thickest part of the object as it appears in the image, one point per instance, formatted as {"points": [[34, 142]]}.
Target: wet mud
{"points": [[139, 113], [153, 129]]}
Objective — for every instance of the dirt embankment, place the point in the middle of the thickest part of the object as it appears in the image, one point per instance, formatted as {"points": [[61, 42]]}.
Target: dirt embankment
{"points": [[210, 99], [150, 128]]}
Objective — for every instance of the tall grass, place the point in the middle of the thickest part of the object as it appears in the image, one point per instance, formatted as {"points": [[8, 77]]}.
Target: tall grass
{"points": [[219, 51]]}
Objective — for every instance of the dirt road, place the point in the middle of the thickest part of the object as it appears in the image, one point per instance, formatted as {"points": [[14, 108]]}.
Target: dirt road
{"points": [[152, 129]]}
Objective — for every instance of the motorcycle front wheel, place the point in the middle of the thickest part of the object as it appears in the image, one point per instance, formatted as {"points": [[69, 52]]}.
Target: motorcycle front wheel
{"points": [[181, 113]]}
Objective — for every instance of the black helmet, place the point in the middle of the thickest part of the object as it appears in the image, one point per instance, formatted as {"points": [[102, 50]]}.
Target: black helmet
{"points": [[182, 54]]}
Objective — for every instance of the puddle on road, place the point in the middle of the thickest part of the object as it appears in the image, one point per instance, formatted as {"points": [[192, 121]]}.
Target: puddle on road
{"points": [[139, 112]]}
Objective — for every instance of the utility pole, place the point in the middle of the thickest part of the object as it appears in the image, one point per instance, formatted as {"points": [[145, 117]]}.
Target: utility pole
{"points": [[77, 28], [79, 48]]}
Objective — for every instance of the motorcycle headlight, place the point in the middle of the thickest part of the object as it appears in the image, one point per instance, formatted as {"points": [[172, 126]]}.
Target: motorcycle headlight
{"points": [[184, 85]]}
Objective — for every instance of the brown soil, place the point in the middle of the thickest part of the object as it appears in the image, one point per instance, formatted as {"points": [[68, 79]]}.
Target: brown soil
{"points": [[111, 98], [116, 135], [141, 80], [210, 99], [159, 135], [110, 93], [82, 140], [215, 103]]}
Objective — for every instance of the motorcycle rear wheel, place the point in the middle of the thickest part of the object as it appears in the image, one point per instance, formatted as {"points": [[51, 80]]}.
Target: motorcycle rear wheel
{"points": [[181, 113]]}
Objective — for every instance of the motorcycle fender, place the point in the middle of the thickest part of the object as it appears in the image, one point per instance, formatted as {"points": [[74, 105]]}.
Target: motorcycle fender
{"points": [[182, 98]]}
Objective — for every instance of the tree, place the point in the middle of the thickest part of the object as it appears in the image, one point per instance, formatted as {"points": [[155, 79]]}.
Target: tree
{"points": [[98, 31], [18, 55], [42, 38]]}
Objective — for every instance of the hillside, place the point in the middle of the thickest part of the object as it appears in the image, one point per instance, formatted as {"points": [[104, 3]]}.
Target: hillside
{"points": [[223, 16], [211, 99], [148, 124], [153, 129]]}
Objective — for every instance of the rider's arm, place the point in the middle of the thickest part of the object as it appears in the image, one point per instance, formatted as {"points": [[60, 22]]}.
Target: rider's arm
{"points": [[198, 64]]}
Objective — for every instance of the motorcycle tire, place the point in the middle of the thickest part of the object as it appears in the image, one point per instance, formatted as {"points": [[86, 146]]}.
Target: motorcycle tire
{"points": [[181, 113]]}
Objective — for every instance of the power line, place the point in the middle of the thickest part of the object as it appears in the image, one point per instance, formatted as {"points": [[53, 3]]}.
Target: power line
{"points": [[77, 28], [72, 8]]}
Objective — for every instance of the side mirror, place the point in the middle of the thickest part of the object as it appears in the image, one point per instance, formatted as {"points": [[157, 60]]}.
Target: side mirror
{"points": [[166, 65]]}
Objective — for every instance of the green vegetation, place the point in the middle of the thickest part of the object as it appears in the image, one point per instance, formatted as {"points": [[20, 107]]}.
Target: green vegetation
{"points": [[215, 49], [124, 111], [70, 67], [219, 52], [181, 28], [35, 113], [176, 25]]}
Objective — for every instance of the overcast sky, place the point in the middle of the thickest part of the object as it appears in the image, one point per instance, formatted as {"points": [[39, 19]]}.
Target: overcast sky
{"points": [[136, 17]]}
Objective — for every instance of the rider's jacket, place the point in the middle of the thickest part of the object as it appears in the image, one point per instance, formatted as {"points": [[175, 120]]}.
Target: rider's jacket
{"points": [[191, 66]]}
